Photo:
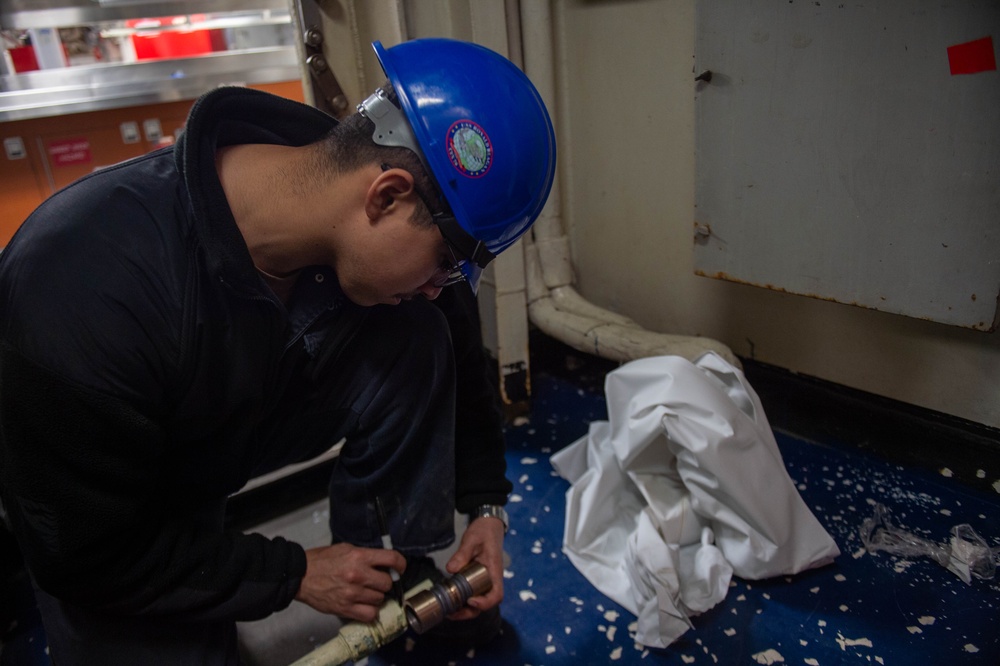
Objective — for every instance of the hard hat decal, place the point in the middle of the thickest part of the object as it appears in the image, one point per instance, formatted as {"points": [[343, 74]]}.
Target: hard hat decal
{"points": [[469, 148]]}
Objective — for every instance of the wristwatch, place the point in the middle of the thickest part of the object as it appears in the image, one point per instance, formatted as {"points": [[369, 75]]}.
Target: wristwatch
{"points": [[491, 511]]}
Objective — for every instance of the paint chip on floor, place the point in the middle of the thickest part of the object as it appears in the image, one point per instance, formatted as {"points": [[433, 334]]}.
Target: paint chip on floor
{"points": [[852, 642], [902, 566], [769, 656]]}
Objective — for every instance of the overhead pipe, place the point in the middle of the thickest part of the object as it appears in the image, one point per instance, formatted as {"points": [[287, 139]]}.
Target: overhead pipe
{"points": [[554, 305]]}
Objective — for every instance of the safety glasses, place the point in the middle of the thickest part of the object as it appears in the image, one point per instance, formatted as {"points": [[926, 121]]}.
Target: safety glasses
{"points": [[450, 272]]}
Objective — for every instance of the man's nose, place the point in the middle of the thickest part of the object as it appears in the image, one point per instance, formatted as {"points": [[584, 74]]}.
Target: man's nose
{"points": [[429, 291]]}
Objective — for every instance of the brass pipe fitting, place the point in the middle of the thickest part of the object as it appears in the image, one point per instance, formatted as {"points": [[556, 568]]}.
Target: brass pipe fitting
{"points": [[429, 607]]}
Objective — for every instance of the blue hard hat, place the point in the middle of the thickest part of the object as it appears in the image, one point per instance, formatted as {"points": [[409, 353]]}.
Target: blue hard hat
{"points": [[482, 130]]}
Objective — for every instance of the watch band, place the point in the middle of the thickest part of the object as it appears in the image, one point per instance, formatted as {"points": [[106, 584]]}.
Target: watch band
{"points": [[491, 511]]}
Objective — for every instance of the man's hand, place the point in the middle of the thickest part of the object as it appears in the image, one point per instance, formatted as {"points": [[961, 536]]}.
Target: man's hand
{"points": [[482, 542], [348, 581]]}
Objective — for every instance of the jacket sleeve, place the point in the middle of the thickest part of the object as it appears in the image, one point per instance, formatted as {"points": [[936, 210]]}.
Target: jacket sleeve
{"points": [[77, 472], [480, 465]]}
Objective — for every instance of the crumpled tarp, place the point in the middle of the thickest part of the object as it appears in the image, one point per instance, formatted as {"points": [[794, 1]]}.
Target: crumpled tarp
{"points": [[680, 489]]}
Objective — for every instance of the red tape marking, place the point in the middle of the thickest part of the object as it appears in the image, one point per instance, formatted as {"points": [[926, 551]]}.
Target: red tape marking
{"points": [[972, 57]]}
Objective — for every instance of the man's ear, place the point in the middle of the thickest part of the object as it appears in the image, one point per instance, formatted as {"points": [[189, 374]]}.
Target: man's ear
{"points": [[386, 191]]}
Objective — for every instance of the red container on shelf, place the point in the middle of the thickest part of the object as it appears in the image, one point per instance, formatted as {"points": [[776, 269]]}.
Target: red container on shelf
{"points": [[23, 58], [175, 43]]}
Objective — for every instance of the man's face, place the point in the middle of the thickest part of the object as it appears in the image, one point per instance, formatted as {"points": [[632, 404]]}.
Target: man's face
{"points": [[398, 261]]}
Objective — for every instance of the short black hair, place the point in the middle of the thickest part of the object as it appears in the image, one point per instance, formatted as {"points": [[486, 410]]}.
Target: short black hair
{"points": [[349, 146]]}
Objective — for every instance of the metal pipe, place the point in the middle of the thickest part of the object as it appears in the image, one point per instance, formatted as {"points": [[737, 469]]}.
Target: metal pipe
{"points": [[426, 609]]}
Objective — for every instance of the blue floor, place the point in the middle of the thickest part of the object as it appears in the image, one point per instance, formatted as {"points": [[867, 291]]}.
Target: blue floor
{"points": [[863, 609]]}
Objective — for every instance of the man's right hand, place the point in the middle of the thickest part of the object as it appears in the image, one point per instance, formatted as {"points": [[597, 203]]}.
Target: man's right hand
{"points": [[348, 581]]}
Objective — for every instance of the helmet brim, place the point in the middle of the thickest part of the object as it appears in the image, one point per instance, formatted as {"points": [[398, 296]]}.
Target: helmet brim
{"points": [[472, 274]]}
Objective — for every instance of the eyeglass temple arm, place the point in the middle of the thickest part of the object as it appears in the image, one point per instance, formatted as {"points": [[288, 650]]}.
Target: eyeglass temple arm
{"points": [[470, 248]]}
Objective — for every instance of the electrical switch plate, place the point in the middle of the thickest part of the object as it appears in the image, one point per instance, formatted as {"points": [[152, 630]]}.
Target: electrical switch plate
{"points": [[151, 128], [14, 148], [130, 132]]}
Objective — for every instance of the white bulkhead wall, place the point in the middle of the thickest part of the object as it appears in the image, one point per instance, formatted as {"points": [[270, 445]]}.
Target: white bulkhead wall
{"points": [[624, 115]]}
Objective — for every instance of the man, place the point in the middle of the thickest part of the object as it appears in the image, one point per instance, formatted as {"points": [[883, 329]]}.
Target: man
{"points": [[174, 325]]}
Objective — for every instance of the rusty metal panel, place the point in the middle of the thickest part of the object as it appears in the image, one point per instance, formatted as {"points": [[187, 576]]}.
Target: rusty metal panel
{"points": [[851, 152]]}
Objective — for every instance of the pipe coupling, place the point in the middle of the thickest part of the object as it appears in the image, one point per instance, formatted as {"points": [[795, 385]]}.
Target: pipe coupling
{"points": [[428, 608]]}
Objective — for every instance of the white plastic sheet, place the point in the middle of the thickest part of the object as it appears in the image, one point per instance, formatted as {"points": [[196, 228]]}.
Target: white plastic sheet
{"points": [[681, 488]]}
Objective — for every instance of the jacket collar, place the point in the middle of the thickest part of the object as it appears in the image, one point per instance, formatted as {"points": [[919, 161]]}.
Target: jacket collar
{"points": [[227, 116]]}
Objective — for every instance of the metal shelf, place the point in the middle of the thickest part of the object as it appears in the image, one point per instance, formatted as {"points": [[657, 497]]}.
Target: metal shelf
{"points": [[78, 89], [48, 13], [261, 52]]}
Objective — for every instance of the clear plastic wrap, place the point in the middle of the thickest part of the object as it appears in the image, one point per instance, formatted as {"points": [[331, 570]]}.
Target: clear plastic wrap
{"points": [[966, 554]]}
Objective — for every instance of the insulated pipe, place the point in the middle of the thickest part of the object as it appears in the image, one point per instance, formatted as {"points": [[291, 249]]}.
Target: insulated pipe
{"points": [[426, 605], [554, 306], [562, 313], [356, 639]]}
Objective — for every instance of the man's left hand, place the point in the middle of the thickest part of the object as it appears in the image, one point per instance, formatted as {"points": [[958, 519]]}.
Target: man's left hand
{"points": [[483, 543]]}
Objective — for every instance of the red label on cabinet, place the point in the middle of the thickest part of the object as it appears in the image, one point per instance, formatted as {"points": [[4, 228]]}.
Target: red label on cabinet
{"points": [[70, 151]]}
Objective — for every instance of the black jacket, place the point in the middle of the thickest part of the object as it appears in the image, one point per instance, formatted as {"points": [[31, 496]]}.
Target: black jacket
{"points": [[130, 388]]}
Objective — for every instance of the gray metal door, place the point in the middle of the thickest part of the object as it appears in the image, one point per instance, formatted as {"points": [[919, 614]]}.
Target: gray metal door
{"points": [[851, 152]]}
